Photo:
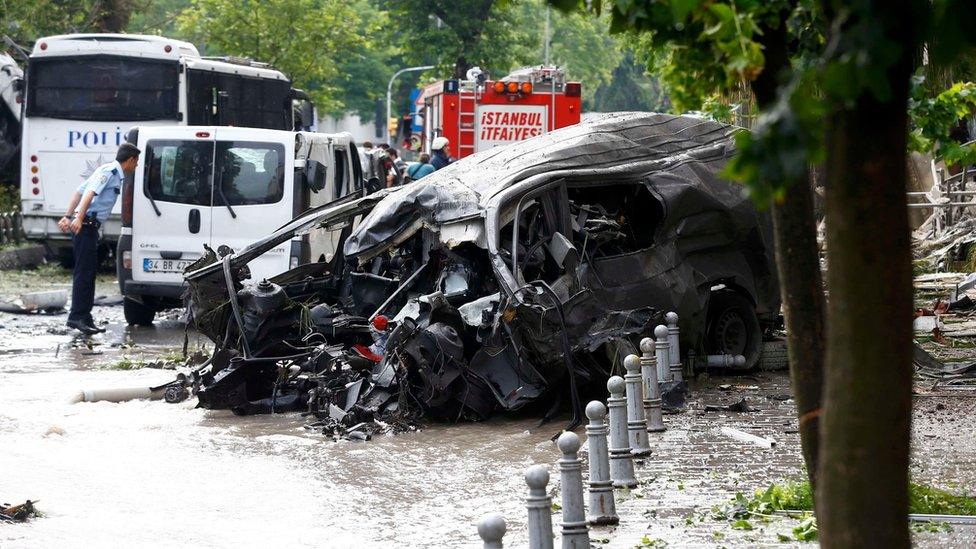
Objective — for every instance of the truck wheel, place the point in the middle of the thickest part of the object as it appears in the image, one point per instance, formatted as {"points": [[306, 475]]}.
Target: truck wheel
{"points": [[732, 327], [140, 314]]}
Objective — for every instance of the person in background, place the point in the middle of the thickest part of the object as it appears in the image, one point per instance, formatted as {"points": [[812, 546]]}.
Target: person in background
{"points": [[94, 200], [441, 156], [420, 169], [400, 164], [364, 154]]}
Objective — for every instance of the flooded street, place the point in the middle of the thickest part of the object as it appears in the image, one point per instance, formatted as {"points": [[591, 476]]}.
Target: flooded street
{"points": [[170, 475]]}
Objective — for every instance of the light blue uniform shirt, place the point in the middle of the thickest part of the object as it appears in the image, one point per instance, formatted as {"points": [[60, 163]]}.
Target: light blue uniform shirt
{"points": [[106, 182]]}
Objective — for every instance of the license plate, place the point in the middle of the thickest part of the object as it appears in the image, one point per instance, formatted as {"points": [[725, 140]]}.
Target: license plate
{"points": [[164, 265]]}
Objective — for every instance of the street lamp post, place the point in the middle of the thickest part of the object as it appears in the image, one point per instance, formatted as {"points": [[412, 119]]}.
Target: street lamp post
{"points": [[389, 95]]}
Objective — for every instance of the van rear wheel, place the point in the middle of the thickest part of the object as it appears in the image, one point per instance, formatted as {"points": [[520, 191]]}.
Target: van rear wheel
{"points": [[732, 327], [139, 313]]}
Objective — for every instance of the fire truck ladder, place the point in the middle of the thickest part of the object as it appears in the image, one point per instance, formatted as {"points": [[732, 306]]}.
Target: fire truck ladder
{"points": [[471, 92]]}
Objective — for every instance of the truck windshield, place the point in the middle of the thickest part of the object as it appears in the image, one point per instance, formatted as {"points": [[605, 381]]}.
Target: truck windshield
{"points": [[179, 171], [250, 173], [97, 87]]}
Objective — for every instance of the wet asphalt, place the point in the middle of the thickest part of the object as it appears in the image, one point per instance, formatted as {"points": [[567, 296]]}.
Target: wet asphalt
{"points": [[169, 475]]}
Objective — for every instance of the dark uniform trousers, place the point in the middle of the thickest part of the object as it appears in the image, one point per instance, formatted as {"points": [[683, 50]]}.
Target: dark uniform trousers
{"points": [[85, 249]]}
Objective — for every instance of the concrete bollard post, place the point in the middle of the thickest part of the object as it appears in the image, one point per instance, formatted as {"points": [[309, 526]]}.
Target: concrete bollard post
{"points": [[491, 528], [539, 505], [652, 391], [674, 350], [575, 533], [621, 460], [661, 348], [636, 424], [602, 509]]}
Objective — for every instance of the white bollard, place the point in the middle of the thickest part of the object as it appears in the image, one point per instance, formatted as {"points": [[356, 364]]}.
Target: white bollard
{"points": [[652, 391], [575, 533], [621, 460], [636, 424], [602, 509], [539, 506], [661, 348], [491, 528], [674, 350]]}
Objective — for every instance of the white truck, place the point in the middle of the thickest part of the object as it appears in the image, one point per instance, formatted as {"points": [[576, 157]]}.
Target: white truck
{"points": [[84, 91], [222, 187]]}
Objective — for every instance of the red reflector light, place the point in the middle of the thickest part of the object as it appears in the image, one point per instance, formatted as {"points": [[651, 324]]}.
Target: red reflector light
{"points": [[499, 87], [34, 180], [573, 89], [33, 158], [168, 48], [513, 87], [43, 45], [526, 87], [203, 134], [36, 190]]}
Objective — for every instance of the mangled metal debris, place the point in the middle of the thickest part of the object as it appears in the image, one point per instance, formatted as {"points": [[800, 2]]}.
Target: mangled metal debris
{"points": [[18, 513], [517, 278]]}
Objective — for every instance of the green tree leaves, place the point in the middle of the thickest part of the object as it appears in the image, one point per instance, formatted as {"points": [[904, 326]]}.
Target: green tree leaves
{"points": [[305, 39]]}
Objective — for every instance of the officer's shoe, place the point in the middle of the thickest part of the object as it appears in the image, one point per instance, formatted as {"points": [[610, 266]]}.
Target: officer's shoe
{"points": [[84, 326]]}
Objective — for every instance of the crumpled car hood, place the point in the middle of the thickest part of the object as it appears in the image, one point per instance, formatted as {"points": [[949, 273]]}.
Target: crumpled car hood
{"points": [[621, 143]]}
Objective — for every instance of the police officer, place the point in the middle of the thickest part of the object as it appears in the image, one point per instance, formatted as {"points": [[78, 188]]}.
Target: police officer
{"points": [[94, 200]]}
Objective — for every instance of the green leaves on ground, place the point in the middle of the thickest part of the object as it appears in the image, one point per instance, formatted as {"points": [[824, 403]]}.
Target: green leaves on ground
{"points": [[797, 497]]}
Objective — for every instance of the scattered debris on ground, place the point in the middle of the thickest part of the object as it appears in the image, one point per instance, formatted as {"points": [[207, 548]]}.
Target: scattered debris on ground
{"points": [[18, 513]]}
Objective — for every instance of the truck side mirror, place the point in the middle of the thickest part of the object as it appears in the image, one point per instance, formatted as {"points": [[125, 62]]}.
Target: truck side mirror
{"points": [[372, 185], [313, 175], [563, 252]]}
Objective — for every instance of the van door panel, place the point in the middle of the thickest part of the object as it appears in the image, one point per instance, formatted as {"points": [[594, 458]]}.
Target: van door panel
{"points": [[176, 173], [252, 197]]}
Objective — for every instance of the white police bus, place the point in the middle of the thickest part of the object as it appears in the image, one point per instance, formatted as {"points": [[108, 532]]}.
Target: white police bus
{"points": [[84, 91]]}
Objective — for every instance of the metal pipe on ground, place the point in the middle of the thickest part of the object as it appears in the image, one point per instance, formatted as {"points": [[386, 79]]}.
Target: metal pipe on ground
{"points": [[122, 394]]}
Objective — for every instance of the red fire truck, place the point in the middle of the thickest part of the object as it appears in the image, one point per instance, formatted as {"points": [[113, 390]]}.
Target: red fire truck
{"points": [[479, 114]]}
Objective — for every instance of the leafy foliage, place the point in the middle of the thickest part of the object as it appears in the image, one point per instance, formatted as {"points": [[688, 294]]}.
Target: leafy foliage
{"points": [[305, 39], [26, 21], [933, 501], [936, 118]]}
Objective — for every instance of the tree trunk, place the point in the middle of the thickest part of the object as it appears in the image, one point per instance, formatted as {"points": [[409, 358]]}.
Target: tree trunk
{"points": [[865, 426], [113, 15], [798, 266], [801, 285]]}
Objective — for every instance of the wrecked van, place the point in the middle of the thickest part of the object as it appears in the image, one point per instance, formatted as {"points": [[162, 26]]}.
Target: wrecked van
{"points": [[517, 276]]}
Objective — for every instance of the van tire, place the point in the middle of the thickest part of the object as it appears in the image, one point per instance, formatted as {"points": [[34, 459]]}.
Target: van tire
{"points": [[139, 314], [732, 327]]}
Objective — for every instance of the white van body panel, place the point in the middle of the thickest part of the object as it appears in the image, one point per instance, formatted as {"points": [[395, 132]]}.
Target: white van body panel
{"points": [[251, 169], [253, 219]]}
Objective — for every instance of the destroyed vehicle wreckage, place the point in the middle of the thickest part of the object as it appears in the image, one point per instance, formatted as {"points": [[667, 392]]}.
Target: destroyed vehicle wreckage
{"points": [[520, 275]]}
